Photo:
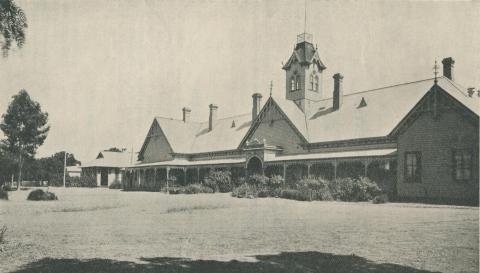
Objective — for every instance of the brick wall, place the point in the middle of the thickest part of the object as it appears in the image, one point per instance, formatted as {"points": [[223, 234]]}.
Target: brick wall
{"points": [[436, 139]]}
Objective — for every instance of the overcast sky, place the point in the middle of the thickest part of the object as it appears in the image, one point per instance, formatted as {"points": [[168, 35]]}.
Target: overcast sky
{"points": [[104, 69]]}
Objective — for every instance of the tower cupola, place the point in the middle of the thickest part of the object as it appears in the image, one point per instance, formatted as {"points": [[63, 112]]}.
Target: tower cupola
{"points": [[304, 71]]}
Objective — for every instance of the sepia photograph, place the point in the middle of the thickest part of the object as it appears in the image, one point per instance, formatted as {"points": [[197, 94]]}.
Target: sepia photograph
{"points": [[239, 136]]}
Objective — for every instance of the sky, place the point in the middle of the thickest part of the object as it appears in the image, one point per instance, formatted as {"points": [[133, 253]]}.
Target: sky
{"points": [[103, 69]]}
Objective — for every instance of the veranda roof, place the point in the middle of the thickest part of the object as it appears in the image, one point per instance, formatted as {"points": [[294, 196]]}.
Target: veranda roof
{"points": [[336, 155]]}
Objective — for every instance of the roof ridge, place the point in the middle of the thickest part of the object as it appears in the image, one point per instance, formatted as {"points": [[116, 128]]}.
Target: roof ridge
{"points": [[380, 88]]}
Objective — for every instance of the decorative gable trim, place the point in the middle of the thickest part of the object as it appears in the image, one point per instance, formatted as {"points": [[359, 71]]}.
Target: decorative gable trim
{"points": [[434, 101], [149, 136], [255, 123]]}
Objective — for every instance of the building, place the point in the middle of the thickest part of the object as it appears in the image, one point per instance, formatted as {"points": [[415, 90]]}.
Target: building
{"points": [[108, 167], [74, 171], [417, 139]]}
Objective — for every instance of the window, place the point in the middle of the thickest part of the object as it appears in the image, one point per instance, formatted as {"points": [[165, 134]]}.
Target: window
{"points": [[312, 83], [413, 167], [292, 83], [462, 165], [297, 82], [315, 80]]}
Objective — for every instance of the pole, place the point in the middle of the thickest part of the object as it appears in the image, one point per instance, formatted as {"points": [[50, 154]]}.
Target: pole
{"points": [[64, 167]]}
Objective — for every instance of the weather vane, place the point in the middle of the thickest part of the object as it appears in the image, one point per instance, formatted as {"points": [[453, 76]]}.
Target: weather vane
{"points": [[435, 70]]}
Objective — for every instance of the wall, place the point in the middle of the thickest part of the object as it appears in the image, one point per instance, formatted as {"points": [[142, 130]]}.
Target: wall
{"points": [[280, 133], [157, 148], [436, 139]]}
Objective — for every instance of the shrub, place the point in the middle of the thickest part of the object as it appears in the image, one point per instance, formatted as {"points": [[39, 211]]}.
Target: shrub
{"points": [[219, 181], [276, 181], [258, 180], [82, 181], [3, 194], [348, 189], [293, 194], [244, 191], [115, 185], [196, 188], [40, 195], [380, 199], [315, 189]]}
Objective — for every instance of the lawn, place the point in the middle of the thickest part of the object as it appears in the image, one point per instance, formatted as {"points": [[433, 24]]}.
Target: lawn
{"points": [[101, 230]]}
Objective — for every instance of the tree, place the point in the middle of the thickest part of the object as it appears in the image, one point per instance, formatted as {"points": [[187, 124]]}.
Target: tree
{"points": [[12, 25], [25, 128]]}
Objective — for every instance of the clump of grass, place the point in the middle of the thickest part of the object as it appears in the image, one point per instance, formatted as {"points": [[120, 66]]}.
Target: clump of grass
{"points": [[190, 209], [40, 195], [3, 230]]}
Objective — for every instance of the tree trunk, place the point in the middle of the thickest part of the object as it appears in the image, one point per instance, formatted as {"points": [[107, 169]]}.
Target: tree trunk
{"points": [[20, 163]]}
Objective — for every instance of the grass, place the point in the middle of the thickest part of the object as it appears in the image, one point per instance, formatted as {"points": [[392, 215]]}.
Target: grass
{"points": [[101, 230]]}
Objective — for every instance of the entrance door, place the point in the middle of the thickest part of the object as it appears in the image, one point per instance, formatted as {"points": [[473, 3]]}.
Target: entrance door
{"points": [[104, 177], [254, 166]]}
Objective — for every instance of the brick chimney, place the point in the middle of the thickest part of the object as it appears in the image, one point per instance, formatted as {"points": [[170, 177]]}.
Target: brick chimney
{"points": [[212, 117], [186, 114], [337, 91], [448, 67], [256, 103]]}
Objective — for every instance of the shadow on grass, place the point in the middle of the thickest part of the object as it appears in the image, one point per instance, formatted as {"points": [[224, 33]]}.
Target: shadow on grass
{"points": [[291, 262]]}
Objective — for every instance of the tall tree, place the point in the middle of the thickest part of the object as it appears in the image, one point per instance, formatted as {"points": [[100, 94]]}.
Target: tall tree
{"points": [[13, 23], [25, 128]]}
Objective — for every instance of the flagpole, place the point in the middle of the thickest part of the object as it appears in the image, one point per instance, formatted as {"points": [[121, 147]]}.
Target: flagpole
{"points": [[64, 167]]}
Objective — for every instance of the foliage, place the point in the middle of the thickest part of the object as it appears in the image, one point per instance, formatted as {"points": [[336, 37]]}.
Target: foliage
{"points": [[115, 149], [258, 180], [293, 194], [25, 128], [115, 185], [380, 199], [276, 181], [315, 189], [219, 181], [348, 189], [40, 195], [196, 188], [244, 191], [3, 194], [82, 181], [12, 25]]}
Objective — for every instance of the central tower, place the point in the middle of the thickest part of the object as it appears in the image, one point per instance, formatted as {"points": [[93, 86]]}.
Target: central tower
{"points": [[304, 71]]}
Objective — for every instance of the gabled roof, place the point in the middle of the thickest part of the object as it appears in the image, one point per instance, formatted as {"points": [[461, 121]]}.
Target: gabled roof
{"points": [[194, 137], [382, 110], [110, 159]]}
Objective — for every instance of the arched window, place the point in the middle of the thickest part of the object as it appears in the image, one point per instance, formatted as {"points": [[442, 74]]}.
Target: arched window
{"points": [[297, 82], [292, 83], [312, 83], [315, 83]]}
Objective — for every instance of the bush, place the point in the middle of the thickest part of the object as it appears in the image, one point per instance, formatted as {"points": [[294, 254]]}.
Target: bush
{"points": [[196, 188], [315, 189], [380, 199], [294, 195], [219, 181], [276, 181], [115, 185], [258, 180], [244, 191], [348, 189], [40, 195], [82, 181], [3, 194]]}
